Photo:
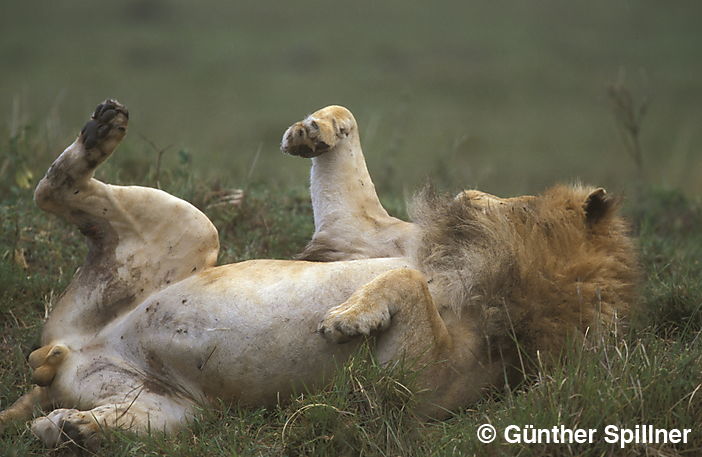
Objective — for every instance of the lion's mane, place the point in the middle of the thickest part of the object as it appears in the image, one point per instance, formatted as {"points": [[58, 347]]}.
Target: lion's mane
{"points": [[537, 269]]}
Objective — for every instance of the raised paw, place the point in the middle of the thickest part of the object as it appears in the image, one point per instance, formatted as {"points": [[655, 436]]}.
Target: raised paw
{"points": [[357, 316], [319, 132], [67, 426], [106, 128]]}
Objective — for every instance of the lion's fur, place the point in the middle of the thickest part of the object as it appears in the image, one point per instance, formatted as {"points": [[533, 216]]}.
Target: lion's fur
{"points": [[528, 269], [538, 268], [535, 267]]}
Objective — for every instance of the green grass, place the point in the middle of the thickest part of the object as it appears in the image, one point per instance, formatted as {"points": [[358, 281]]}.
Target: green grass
{"points": [[508, 97], [649, 374]]}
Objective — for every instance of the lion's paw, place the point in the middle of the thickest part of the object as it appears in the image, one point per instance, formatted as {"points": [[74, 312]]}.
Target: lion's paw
{"points": [[67, 425], [353, 318], [106, 128], [318, 133]]}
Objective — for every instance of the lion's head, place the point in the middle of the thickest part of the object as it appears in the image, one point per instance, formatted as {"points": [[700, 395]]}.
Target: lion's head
{"points": [[537, 267]]}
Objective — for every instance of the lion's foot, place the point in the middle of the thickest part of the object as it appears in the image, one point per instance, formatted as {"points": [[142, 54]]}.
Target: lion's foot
{"points": [[357, 316], [103, 132], [84, 427], [319, 132], [67, 425], [76, 165]]}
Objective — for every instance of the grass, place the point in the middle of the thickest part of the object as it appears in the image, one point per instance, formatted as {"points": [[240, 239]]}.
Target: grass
{"points": [[648, 375], [506, 97]]}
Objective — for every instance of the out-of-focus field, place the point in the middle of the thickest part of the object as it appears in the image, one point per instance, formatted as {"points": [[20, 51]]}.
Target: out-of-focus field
{"points": [[509, 97], [505, 96]]}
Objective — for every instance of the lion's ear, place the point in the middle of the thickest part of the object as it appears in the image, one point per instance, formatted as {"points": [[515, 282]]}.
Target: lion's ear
{"points": [[597, 206]]}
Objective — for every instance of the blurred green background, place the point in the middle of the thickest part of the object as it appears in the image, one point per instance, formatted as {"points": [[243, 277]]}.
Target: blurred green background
{"points": [[507, 96]]}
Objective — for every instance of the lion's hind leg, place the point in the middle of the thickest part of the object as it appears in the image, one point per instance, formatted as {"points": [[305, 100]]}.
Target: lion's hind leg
{"points": [[140, 239], [146, 413]]}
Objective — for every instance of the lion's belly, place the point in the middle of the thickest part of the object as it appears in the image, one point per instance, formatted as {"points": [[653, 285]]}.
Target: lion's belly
{"points": [[245, 331]]}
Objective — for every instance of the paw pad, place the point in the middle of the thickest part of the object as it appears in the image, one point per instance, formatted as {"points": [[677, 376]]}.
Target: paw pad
{"points": [[319, 133], [109, 116]]}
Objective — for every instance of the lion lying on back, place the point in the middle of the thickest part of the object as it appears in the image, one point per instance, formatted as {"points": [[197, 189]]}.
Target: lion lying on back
{"points": [[533, 267], [149, 328]]}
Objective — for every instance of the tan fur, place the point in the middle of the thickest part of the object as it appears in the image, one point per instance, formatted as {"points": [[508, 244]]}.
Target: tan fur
{"points": [[535, 265], [150, 329], [349, 221], [504, 274], [532, 265]]}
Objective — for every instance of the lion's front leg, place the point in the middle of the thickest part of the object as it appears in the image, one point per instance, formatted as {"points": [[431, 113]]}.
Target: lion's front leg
{"points": [[450, 352], [350, 223], [398, 307]]}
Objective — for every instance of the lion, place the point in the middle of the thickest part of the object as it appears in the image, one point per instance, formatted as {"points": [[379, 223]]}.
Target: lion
{"points": [[150, 329]]}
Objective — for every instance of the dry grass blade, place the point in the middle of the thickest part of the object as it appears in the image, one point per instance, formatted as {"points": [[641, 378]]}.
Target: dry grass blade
{"points": [[629, 115], [299, 412]]}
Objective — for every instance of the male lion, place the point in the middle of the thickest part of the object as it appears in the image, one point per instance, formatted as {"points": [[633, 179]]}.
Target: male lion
{"points": [[150, 328]]}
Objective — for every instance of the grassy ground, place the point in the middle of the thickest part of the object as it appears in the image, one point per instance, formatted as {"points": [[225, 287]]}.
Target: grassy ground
{"points": [[648, 375], [506, 96]]}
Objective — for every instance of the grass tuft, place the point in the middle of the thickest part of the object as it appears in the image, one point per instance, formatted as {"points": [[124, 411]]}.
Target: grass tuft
{"points": [[650, 375], [367, 410]]}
